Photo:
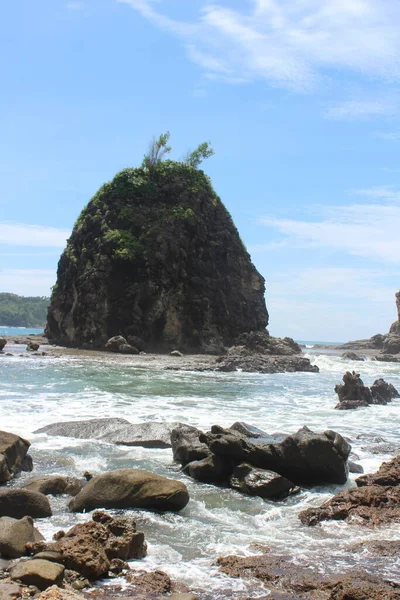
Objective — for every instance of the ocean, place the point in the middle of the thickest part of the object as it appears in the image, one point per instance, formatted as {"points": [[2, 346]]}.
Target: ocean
{"points": [[36, 391]]}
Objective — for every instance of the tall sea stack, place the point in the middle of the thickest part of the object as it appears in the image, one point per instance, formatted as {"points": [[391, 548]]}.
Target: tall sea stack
{"points": [[155, 255]]}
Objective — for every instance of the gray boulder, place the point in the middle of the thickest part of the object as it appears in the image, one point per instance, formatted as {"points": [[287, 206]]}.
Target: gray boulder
{"points": [[186, 445], [120, 345], [18, 503], [260, 482], [13, 450], [89, 429], [15, 534], [131, 488], [305, 458], [37, 572], [55, 485], [212, 469]]}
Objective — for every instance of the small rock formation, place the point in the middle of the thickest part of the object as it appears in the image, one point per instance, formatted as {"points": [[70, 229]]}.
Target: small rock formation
{"points": [[18, 503], [155, 255], [151, 434], [119, 344], [97, 546], [3, 342], [375, 500], [352, 356], [15, 534], [231, 456], [353, 393], [55, 485], [40, 573], [13, 456], [131, 488]]}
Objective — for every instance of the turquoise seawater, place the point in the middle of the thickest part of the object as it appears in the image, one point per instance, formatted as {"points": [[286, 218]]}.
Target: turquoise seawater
{"points": [[35, 391], [5, 330]]}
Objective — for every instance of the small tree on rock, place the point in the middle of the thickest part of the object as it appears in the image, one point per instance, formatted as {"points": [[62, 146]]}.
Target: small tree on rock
{"points": [[158, 149], [202, 152]]}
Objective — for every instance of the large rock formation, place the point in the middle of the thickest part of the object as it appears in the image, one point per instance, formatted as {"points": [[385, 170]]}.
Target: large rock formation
{"points": [[155, 257]]}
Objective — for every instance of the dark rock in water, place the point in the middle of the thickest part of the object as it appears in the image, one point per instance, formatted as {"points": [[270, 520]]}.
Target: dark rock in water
{"points": [[155, 254], [260, 482], [240, 359], [152, 584], [383, 392], [306, 458], [248, 430], [354, 467], [3, 342], [33, 346], [352, 393], [131, 488], [15, 534], [186, 445], [118, 431], [119, 344], [351, 356], [40, 573], [376, 500], [55, 485], [387, 358], [89, 548], [23, 503], [260, 342], [212, 469], [13, 451]]}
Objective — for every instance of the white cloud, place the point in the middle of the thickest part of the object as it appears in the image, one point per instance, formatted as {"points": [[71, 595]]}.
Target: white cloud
{"points": [[367, 230], [363, 109], [27, 282], [286, 42], [20, 234]]}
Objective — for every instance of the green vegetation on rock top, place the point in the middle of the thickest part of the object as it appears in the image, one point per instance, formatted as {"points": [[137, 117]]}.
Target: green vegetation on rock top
{"points": [[21, 311]]}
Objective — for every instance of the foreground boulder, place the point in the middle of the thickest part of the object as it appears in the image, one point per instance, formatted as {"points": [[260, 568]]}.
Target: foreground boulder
{"points": [[151, 434], [260, 482], [305, 458], [18, 503], [383, 392], [55, 485], [163, 261], [13, 452], [186, 445], [15, 534], [96, 547], [3, 342], [40, 573], [131, 488], [375, 501]]}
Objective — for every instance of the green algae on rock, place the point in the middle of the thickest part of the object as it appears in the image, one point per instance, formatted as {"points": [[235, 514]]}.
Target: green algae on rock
{"points": [[156, 256]]}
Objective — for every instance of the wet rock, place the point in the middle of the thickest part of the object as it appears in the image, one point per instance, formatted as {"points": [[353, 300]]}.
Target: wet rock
{"points": [[119, 344], [90, 548], [370, 505], [18, 503], [150, 583], [131, 488], [387, 358], [352, 356], [10, 591], [212, 469], [248, 430], [151, 434], [354, 467], [387, 474], [3, 342], [13, 450], [176, 353], [306, 458], [383, 392], [239, 359], [55, 485], [259, 482], [15, 534], [186, 445], [352, 393], [40, 573], [32, 346]]}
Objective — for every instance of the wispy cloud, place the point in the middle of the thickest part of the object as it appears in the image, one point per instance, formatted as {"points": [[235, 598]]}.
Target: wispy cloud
{"points": [[20, 234], [359, 229], [293, 44], [75, 5], [393, 136], [27, 282], [363, 109]]}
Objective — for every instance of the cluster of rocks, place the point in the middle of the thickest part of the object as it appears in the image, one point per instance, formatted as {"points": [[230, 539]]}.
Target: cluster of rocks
{"points": [[353, 393], [253, 462]]}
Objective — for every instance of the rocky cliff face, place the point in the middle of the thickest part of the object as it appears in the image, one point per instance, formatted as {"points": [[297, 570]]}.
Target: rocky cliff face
{"points": [[156, 257]]}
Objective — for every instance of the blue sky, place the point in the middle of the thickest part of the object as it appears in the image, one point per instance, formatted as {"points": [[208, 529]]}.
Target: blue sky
{"points": [[300, 100]]}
